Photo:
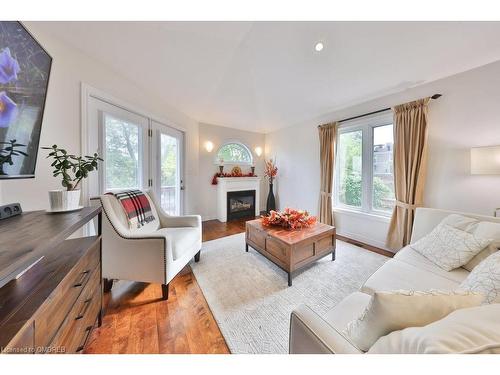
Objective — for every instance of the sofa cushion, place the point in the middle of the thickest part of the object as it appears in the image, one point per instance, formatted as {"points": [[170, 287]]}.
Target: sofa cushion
{"points": [[470, 330], [410, 256], [391, 311], [181, 240], [485, 278], [395, 275], [449, 247], [347, 310]]}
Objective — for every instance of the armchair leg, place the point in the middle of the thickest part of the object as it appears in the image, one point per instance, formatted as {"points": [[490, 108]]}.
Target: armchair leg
{"points": [[197, 256], [107, 284], [164, 292]]}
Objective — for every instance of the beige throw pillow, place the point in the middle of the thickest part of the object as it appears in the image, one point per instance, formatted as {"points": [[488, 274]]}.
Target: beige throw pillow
{"points": [[392, 311], [470, 330], [449, 247]]}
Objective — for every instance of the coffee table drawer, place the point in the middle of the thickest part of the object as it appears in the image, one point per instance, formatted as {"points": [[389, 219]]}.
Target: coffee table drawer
{"points": [[303, 252], [324, 245], [257, 237], [277, 249]]}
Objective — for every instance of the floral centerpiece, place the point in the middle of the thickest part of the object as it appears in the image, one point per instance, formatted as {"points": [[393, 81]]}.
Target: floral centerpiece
{"points": [[289, 219]]}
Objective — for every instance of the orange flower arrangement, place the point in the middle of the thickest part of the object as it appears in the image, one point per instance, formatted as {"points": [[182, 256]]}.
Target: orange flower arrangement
{"points": [[271, 170], [289, 219]]}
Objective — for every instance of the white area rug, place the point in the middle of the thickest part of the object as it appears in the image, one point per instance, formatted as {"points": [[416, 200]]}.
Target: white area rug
{"points": [[251, 301]]}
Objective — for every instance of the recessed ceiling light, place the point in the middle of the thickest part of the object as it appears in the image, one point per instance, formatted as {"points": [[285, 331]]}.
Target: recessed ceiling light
{"points": [[318, 47]]}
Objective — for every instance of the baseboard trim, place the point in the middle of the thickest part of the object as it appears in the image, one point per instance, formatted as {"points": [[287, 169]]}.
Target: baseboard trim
{"points": [[365, 246]]}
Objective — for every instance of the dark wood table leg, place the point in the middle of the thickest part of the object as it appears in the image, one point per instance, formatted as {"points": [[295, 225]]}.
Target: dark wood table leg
{"points": [[289, 279], [246, 247], [333, 254]]}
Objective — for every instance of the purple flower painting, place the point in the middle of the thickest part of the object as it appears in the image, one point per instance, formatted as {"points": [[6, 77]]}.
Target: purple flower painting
{"points": [[24, 76], [9, 67], [8, 110]]}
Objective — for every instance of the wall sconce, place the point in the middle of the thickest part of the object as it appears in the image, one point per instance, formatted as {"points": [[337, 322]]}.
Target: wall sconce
{"points": [[485, 160], [258, 151], [209, 146]]}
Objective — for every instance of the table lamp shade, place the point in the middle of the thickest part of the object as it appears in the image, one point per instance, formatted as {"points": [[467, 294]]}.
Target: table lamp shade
{"points": [[485, 160]]}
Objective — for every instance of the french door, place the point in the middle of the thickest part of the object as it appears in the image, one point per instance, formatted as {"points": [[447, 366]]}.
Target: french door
{"points": [[167, 150], [138, 153]]}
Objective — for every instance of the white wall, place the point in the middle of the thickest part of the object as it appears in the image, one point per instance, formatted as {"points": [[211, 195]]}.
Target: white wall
{"points": [[467, 115], [219, 135], [62, 119]]}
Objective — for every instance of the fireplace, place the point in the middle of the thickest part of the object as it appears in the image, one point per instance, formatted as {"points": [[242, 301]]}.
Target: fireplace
{"points": [[240, 204]]}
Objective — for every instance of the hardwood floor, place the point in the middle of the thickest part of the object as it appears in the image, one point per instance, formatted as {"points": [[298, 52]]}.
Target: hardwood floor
{"points": [[137, 320]]}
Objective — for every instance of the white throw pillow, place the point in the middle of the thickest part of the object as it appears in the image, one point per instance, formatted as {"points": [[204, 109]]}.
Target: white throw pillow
{"points": [[449, 247], [392, 311], [471, 330], [485, 279], [461, 222]]}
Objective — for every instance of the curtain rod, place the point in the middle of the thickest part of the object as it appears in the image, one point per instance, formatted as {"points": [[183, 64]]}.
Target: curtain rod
{"points": [[435, 96]]}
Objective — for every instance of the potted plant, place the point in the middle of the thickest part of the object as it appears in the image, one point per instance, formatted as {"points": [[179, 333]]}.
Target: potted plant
{"points": [[72, 169], [270, 172]]}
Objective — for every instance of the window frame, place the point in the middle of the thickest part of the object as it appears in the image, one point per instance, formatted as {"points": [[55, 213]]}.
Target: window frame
{"points": [[143, 167], [366, 125], [217, 162]]}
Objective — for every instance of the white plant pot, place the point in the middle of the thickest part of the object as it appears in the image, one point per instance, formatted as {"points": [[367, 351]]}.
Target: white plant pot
{"points": [[63, 200]]}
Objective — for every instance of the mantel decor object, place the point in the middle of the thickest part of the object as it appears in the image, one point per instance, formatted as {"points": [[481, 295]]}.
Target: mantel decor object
{"points": [[270, 172], [72, 169]]}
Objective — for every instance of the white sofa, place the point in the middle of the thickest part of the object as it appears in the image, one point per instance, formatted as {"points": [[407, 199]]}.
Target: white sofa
{"points": [[154, 253], [408, 270]]}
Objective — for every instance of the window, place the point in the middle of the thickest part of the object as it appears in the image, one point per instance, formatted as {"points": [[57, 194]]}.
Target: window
{"points": [[234, 153], [350, 168], [383, 176], [122, 152], [364, 172]]}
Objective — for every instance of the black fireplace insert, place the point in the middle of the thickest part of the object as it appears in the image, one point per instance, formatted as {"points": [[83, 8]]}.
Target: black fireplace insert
{"points": [[240, 204]]}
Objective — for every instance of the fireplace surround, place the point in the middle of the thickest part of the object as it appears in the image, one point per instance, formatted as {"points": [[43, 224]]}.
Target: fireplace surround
{"points": [[227, 185]]}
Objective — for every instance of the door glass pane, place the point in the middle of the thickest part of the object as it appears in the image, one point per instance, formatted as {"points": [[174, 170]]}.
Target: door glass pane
{"points": [[169, 169], [383, 176], [350, 167], [122, 144]]}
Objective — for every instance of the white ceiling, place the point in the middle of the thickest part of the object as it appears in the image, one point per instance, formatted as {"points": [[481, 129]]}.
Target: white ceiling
{"points": [[263, 76]]}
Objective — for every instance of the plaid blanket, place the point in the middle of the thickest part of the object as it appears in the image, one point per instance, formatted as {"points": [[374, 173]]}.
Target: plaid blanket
{"points": [[136, 206]]}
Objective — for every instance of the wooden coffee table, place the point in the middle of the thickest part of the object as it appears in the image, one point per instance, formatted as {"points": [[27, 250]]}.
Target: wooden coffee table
{"points": [[291, 250]]}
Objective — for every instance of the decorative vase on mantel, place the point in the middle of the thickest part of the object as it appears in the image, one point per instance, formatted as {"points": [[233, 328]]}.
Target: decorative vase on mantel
{"points": [[271, 201]]}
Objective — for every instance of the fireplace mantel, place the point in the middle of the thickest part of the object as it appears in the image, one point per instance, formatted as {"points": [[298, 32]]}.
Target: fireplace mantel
{"points": [[225, 184]]}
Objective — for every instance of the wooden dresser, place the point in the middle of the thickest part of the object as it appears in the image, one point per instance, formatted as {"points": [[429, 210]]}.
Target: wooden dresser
{"points": [[53, 306]]}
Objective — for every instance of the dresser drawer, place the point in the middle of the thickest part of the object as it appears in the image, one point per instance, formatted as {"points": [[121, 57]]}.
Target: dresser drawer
{"points": [[23, 343], [80, 320], [55, 309]]}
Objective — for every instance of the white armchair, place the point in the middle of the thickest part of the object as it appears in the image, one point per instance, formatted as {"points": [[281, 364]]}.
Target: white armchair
{"points": [[154, 253]]}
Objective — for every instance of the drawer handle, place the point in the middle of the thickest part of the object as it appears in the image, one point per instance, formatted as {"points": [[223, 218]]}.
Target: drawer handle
{"points": [[85, 336], [82, 279], [86, 305]]}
